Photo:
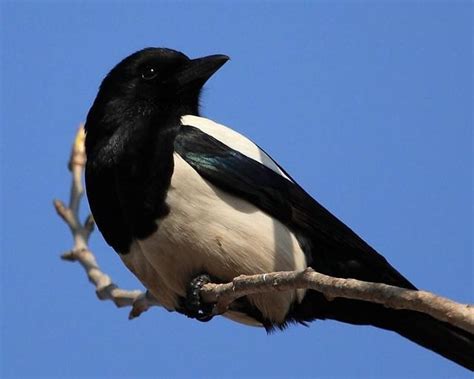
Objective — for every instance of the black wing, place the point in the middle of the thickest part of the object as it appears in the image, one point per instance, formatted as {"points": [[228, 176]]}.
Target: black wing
{"points": [[331, 247]]}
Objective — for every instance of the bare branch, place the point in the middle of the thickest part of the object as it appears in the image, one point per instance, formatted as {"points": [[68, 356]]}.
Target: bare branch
{"points": [[104, 287], [443, 309], [460, 315]]}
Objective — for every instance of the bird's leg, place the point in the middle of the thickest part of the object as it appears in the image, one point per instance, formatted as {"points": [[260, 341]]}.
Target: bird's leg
{"points": [[192, 306]]}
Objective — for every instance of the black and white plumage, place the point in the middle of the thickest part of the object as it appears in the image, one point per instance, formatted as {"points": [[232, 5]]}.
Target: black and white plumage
{"points": [[178, 195]]}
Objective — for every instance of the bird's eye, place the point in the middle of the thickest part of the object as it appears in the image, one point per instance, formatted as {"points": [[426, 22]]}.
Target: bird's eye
{"points": [[149, 73]]}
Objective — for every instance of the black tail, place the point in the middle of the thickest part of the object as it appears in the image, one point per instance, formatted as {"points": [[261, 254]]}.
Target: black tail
{"points": [[451, 342]]}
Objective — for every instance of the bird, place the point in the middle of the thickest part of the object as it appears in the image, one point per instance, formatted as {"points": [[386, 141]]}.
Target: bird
{"points": [[185, 201]]}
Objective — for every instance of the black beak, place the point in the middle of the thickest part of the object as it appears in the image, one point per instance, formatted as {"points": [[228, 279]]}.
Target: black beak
{"points": [[197, 71]]}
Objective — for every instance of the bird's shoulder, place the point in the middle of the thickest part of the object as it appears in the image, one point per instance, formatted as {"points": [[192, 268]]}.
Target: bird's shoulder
{"points": [[230, 138]]}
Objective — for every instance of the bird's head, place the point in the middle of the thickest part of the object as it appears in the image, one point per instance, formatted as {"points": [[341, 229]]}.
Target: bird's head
{"points": [[152, 81]]}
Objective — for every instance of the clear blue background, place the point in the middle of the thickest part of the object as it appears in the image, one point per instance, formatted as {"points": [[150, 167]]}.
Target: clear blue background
{"points": [[367, 104]]}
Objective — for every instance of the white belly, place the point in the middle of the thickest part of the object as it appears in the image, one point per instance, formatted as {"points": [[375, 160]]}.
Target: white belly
{"points": [[226, 241], [210, 231]]}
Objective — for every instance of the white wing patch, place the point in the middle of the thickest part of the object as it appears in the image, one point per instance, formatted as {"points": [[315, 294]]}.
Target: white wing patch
{"points": [[232, 139]]}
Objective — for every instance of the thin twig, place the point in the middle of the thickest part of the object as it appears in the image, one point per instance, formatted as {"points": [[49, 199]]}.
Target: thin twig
{"points": [[104, 287]]}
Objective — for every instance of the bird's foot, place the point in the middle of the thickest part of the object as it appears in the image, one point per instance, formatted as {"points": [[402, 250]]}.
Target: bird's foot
{"points": [[192, 306]]}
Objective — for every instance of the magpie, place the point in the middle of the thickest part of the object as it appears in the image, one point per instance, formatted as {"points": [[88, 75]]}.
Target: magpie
{"points": [[184, 200]]}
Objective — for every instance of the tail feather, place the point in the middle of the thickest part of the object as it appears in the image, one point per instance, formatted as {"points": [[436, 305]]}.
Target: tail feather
{"points": [[449, 341]]}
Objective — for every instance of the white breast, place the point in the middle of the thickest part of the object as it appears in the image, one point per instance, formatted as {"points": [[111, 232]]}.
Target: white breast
{"points": [[211, 231]]}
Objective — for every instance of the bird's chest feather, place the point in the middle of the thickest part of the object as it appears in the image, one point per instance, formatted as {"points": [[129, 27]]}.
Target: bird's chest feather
{"points": [[209, 231]]}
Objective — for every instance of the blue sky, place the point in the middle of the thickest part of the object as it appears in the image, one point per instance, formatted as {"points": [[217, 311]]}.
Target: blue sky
{"points": [[367, 104]]}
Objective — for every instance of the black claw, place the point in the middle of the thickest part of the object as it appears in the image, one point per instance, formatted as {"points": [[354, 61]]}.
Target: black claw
{"points": [[192, 306]]}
